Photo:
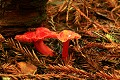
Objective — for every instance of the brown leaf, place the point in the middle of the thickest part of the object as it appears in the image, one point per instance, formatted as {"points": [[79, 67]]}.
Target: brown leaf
{"points": [[27, 68]]}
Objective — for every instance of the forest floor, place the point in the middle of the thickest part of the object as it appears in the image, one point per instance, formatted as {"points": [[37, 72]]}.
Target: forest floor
{"points": [[94, 56]]}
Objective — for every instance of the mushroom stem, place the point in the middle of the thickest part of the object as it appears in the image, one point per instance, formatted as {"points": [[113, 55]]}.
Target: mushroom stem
{"points": [[65, 50], [42, 48]]}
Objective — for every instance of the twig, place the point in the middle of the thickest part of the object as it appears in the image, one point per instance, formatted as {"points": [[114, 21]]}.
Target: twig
{"points": [[69, 69], [94, 22], [41, 76]]}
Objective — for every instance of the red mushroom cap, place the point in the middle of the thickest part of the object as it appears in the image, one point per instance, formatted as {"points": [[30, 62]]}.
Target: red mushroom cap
{"points": [[40, 33], [26, 37], [67, 35]]}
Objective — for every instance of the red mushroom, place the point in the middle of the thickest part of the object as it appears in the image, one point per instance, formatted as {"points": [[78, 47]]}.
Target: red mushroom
{"points": [[65, 36], [37, 38]]}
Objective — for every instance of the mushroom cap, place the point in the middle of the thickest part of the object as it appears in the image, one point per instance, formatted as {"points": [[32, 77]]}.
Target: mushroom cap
{"points": [[40, 33], [26, 37], [67, 35]]}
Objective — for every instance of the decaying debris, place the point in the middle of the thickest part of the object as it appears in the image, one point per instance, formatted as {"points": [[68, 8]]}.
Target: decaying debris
{"points": [[18, 15]]}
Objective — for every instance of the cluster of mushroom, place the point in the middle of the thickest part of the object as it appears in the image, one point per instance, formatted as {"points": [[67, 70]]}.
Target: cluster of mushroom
{"points": [[38, 36]]}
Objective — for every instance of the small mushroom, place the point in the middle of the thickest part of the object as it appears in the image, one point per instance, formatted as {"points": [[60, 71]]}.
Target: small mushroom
{"points": [[37, 37], [65, 36]]}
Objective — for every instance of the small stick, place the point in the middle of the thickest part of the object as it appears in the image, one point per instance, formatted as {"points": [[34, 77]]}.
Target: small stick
{"points": [[97, 24]]}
